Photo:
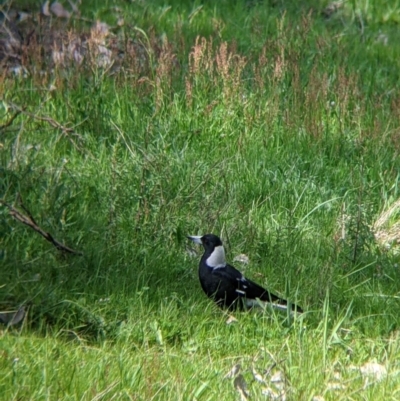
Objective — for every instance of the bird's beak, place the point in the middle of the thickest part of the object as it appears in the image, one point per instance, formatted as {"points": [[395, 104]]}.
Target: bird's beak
{"points": [[195, 238]]}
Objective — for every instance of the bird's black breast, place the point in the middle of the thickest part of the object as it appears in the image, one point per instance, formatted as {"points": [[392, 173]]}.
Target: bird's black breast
{"points": [[221, 284]]}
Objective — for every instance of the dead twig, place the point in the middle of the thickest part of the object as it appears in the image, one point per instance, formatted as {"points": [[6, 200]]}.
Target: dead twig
{"points": [[68, 132], [29, 221], [10, 121]]}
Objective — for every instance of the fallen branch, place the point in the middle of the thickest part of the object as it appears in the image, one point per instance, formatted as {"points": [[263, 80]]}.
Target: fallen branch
{"points": [[29, 221], [68, 132], [10, 121]]}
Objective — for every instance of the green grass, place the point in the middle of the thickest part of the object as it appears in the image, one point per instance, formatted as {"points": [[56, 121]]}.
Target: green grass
{"points": [[278, 131]]}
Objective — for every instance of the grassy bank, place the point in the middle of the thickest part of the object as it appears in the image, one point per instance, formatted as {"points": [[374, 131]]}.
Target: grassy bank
{"points": [[276, 128]]}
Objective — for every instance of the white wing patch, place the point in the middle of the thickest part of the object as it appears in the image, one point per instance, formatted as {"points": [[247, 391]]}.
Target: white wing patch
{"points": [[242, 281]]}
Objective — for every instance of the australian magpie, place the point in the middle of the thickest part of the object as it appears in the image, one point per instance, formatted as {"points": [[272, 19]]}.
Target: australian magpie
{"points": [[226, 285]]}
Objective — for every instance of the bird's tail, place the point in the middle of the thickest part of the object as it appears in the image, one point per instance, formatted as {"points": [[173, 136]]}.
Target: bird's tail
{"points": [[278, 303]]}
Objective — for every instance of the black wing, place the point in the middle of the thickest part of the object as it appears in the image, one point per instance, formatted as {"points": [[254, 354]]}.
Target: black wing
{"points": [[233, 286]]}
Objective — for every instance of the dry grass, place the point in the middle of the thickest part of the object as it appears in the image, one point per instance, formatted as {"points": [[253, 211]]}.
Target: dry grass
{"points": [[387, 227]]}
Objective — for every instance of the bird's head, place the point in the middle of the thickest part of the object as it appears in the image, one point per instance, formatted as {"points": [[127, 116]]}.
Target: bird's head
{"points": [[214, 253]]}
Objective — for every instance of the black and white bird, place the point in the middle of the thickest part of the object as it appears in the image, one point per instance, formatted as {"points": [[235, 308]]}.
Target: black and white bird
{"points": [[227, 286]]}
